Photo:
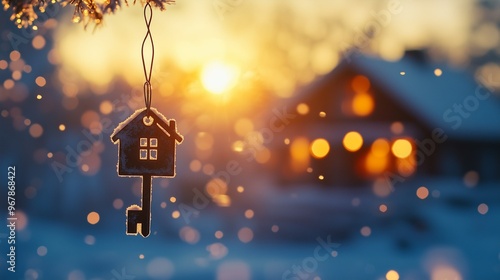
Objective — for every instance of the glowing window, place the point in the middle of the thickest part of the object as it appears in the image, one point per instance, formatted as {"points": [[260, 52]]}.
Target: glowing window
{"points": [[148, 153], [153, 142], [153, 154], [144, 142], [143, 154]]}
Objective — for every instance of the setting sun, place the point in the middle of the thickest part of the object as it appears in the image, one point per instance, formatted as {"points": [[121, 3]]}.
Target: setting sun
{"points": [[218, 77]]}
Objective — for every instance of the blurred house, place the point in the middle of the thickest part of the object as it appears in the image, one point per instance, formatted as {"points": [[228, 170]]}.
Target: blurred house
{"points": [[370, 119]]}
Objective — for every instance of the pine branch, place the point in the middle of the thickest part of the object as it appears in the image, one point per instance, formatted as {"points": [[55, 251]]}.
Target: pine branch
{"points": [[24, 12]]}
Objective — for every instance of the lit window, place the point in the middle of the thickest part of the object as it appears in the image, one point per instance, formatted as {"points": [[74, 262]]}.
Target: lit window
{"points": [[153, 142], [148, 153], [143, 153], [153, 154]]}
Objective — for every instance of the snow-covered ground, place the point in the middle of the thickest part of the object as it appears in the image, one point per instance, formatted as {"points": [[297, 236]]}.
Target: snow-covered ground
{"points": [[443, 236]]}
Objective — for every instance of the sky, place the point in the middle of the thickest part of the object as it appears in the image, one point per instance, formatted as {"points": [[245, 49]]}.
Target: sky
{"points": [[282, 44]]}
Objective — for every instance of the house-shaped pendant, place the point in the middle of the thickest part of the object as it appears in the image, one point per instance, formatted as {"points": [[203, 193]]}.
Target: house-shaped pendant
{"points": [[147, 142]]}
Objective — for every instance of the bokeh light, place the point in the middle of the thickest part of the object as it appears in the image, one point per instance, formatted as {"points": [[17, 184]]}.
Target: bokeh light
{"points": [[382, 208], [217, 250], [380, 147], [176, 214], [482, 208], [230, 270], [93, 218], [366, 231], [36, 130], [189, 235], [89, 240], [275, 228], [320, 148], [40, 81], [402, 148], [375, 164], [117, 204], [245, 235], [397, 128], [392, 275], [38, 42], [303, 109], [363, 104], [219, 234], [382, 187], [422, 192], [352, 141], [360, 83], [444, 271], [41, 251], [160, 268], [249, 213], [243, 126], [471, 178], [299, 151]]}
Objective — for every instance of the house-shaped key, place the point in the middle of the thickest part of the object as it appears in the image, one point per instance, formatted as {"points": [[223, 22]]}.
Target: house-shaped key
{"points": [[147, 142]]}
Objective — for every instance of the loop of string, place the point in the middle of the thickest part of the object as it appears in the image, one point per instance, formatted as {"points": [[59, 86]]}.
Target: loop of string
{"points": [[148, 90]]}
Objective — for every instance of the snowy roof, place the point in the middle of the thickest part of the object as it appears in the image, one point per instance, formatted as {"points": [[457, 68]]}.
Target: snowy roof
{"points": [[430, 98]]}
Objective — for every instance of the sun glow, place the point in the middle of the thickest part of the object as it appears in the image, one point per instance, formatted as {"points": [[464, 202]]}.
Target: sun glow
{"points": [[219, 77]]}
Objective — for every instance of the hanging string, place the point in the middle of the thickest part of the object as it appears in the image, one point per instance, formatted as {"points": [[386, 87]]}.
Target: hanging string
{"points": [[148, 90]]}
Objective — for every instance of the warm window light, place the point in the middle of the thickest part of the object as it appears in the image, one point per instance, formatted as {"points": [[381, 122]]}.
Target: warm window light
{"points": [[406, 166], [380, 147], [375, 164], [352, 141], [320, 148], [263, 155], [299, 152], [401, 148], [218, 77], [360, 83], [362, 104]]}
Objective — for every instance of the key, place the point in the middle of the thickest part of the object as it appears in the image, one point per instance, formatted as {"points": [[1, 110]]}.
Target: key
{"points": [[147, 142], [141, 215]]}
